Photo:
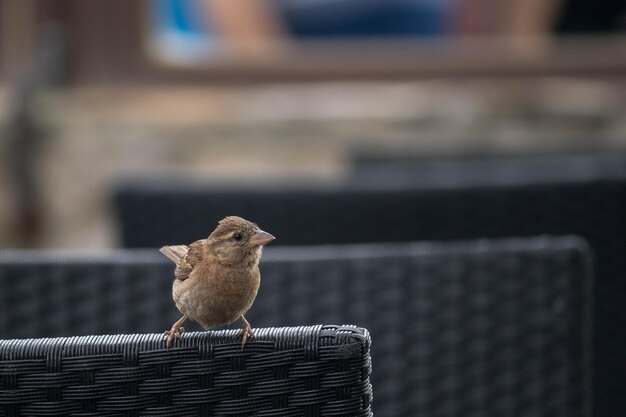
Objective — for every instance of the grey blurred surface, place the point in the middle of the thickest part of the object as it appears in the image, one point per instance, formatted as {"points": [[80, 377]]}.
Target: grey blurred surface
{"points": [[287, 132]]}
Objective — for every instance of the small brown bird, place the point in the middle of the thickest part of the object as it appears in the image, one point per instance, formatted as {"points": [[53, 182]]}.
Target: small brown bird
{"points": [[217, 278]]}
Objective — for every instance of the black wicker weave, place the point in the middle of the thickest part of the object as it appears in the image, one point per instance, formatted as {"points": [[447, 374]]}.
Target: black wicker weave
{"points": [[442, 200], [303, 371], [55, 293], [582, 194], [483, 328]]}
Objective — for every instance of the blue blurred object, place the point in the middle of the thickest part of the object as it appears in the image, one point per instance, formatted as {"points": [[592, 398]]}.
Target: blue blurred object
{"points": [[367, 18], [175, 14], [180, 30]]}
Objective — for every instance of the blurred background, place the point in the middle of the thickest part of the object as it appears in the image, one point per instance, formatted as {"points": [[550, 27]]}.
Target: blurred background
{"points": [[141, 123], [273, 90]]}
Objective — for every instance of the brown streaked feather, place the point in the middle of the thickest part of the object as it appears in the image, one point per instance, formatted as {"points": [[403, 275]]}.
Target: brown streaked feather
{"points": [[186, 257], [195, 252]]}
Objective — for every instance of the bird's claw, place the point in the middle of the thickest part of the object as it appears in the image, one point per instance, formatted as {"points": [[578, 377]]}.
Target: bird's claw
{"points": [[174, 333], [246, 333]]}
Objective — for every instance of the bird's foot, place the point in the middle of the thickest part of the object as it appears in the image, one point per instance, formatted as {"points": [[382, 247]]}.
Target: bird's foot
{"points": [[246, 333], [174, 333]]}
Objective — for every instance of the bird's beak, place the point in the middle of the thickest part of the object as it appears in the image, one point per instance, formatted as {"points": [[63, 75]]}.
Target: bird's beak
{"points": [[261, 238]]}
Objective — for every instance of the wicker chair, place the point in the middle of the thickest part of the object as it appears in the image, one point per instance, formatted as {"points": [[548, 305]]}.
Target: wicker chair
{"points": [[442, 200], [582, 194], [482, 328], [303, 371]]}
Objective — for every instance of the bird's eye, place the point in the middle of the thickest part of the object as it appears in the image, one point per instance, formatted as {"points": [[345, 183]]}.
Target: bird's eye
{"points": [[237, 236]]}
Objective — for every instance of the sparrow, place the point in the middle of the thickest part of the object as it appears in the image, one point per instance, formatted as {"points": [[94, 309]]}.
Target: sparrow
{"points": [[217, 278]]}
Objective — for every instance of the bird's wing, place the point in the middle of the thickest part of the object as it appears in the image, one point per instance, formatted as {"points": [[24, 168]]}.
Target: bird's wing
{"points": [[186, 257], [175, 253]]}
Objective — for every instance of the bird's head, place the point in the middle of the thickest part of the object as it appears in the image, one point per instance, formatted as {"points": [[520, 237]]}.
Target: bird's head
{"points": [[237, 241]]}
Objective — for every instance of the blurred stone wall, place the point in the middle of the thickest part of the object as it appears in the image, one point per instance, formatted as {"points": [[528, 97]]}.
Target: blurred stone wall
{"points": [[95, 136]]}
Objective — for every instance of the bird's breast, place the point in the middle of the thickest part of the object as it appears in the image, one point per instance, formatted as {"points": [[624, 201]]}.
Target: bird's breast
{"points": [[216, 296]]}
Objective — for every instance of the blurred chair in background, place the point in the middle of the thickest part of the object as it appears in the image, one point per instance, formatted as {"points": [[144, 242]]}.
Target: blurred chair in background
{"points": [[430, 200], [584, 194], [592, 17], [487, 328]]}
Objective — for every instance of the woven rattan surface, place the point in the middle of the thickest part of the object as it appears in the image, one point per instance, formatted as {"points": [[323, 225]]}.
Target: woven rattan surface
{"points": [[581, 193], [390, 201], [302, 371], [474, 329]]}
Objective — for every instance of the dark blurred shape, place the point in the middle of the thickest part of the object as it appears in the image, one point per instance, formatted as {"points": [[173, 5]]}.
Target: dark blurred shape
{"points": [[592, 16], [405, 169], [24, 132], [312, 371], [394, 200], [481, 328], [366, 18], [441, 200]]}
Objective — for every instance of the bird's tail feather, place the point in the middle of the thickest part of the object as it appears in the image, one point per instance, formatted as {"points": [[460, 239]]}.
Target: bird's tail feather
{"points": [[175, 253]]}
